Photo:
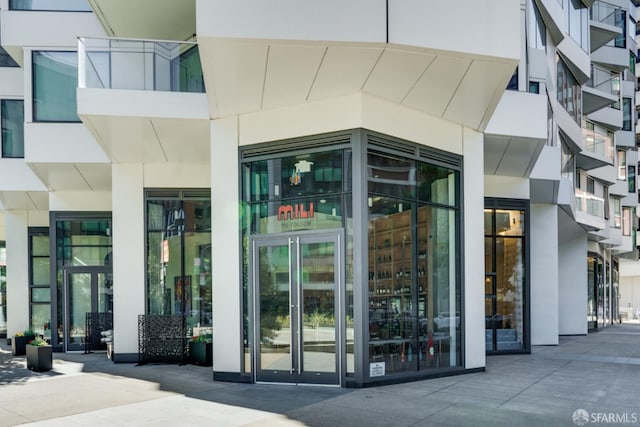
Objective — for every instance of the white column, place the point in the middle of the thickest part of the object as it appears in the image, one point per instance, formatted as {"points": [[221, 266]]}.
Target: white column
{"points": [[128, 259], [225, 252], [17, 271], [473, 249], [573, 286], [543, 283]]}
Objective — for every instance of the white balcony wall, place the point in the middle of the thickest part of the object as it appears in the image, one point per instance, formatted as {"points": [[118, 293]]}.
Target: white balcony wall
{"points": [[548, 165], [607, 116], [506, 186], [330, 20], [493, 25], [51, 29], [614, 57], [61, 143], [11, 82], [520, 114]]}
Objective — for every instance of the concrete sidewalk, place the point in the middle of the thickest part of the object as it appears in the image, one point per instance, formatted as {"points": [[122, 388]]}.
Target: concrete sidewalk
{"points": [[598, 373]]}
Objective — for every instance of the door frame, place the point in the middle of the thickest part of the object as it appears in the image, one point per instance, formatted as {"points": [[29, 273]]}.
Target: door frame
{"points": [[336, 235], [66, 272]]}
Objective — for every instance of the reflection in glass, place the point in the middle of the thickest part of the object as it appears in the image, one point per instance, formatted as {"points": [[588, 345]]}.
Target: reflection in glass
{"points": [[274, 315], [504, 280], [318, 289], [414, 301], [55, 79], [12, 124], [79, 305]]}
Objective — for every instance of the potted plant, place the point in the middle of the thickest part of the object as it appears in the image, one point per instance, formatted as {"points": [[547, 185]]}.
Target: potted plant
{"points": [[201, 350], [39, 355], [20, 340]]}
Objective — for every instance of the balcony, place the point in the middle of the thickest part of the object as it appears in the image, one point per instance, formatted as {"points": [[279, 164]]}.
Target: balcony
{"points": [[598, 147], [590, 211], [603, 23], [516, 134], [257, 57], [30, 23], [151, 92], [601, 90]]}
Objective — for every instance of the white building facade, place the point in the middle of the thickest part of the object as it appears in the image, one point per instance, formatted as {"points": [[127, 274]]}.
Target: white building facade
{"points": [[306, 183]]}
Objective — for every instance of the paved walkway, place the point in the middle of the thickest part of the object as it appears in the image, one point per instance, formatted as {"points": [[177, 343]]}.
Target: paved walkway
{"points": [[598, 373]]}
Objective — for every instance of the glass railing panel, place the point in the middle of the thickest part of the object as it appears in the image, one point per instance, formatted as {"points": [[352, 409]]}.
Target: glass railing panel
{"points": [[589, 203], [51, 5], [604, 80], [598, 140], [604, 12], [140, 65]]}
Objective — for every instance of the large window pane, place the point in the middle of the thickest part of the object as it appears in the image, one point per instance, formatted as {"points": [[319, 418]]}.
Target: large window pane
{"points": [[12, 113], [186, 72], [569, 92], [55, 79]]}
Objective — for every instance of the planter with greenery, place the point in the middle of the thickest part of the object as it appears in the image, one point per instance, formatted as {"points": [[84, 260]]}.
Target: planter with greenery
{"points": [[201, 350], [20, 340], [39, 355]]}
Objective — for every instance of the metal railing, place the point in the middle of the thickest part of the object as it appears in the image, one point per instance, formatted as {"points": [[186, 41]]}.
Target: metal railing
{"points": [[139, 65]]}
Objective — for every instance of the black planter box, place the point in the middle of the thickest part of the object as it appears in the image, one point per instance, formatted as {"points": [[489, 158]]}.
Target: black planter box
{"points": [[19, 343], [201, 353], [39, 357]]}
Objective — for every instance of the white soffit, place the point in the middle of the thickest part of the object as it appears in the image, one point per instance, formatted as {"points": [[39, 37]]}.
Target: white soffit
{"points": [[147, 19], [27, 200], [245, 76], [74, 177]]}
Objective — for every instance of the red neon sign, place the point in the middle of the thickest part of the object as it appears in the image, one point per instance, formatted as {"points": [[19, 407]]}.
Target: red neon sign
{"points": [[297, 211]]}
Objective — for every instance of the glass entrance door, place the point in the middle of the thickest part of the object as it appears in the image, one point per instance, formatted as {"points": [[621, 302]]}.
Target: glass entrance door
{"points": [[296, 284], [87, 290]]}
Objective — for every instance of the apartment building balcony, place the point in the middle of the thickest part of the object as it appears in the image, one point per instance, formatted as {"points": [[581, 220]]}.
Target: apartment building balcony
{"points": [[603, 28], [51, 23], [589, 211], [598, 147], [610, 117], [601, 90], [257, 57], [615, 235], [516, 134], [616, 58], [147, 92]]}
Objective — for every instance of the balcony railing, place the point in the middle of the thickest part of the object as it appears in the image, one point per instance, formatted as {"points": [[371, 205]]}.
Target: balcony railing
{"points": [[604, 12], [139, 65], [589, 203], [604, 80], [598, 140]]}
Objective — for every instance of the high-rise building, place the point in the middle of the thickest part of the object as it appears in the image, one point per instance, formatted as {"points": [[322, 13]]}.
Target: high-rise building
{"points": [[340, 192]]}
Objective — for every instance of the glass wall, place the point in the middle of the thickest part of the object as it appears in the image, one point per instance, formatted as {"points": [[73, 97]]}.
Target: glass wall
{"points": [[40, 281], [414, 291], [82, 241], [569, 92], [578, 23], [178, 241], [12, 124], [595, 285], [290, 193], [55, 79], [505, 276]]}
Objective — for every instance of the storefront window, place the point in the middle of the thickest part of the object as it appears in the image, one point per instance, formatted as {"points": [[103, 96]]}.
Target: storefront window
{"points": [[505, 277], [40, 278], [179, 255], [414, 294]]}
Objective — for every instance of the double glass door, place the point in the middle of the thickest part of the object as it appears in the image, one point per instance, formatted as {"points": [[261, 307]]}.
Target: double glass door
{"points": [[87, 290], [297, 284]]}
